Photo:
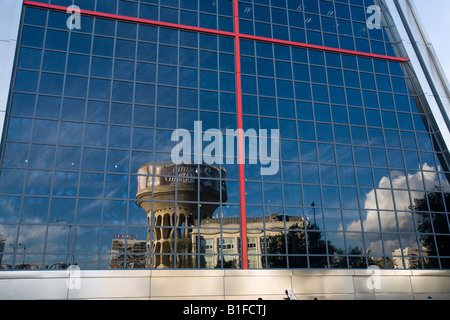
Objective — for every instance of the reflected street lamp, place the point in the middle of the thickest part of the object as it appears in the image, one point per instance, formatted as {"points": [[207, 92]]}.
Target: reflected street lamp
{"points": [[68, 241], [24, 252], [313, 204], [15, 251]]}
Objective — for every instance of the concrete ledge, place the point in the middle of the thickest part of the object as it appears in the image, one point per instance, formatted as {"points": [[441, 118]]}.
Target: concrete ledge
{"points": [[324, 272], [438, 273], [430, 284], [323, 284], [187, 273], [185, 284], [256, 283], [366, 272]]}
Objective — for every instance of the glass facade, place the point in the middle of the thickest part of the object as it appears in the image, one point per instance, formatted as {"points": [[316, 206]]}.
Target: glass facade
{"points": [[87, 175], [338, 24]]}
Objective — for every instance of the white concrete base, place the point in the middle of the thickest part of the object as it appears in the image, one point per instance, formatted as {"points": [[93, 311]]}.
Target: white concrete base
{"points": [[225, 284]]}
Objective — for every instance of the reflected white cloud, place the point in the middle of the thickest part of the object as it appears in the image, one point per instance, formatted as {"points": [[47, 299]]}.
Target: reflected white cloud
{"points": [[382, 198]]}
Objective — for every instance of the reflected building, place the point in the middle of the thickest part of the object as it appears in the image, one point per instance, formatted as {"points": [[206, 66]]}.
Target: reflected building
{"points": [[127, 252], [175, 198], [216, 245], [411, 256]]}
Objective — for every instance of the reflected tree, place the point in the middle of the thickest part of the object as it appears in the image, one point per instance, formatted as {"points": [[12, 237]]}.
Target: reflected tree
{"points": [[298, 241], [227, 264], [183, 249], [434, 201]]}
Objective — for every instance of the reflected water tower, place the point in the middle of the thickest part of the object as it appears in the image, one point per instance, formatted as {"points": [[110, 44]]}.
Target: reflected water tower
{"points": [[175, 197]]}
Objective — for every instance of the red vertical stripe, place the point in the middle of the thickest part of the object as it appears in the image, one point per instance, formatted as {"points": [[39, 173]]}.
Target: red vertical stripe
{"points": [[241, 160]]}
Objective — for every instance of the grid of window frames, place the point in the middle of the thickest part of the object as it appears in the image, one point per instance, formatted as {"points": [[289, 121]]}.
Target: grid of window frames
{"points": [[361, 180], [216, 15], [89, 108], [358, 176], [338, 24]]}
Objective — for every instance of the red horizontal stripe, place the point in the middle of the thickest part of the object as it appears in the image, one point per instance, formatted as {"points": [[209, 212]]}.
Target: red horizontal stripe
{"points": [[322, 48], [217, 32]]}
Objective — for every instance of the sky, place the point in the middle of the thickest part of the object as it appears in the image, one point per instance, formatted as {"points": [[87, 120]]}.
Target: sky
{"points": [[435, 15]]}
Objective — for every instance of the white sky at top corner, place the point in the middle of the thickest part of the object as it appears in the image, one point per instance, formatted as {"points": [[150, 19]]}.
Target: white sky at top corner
{"points": [[435, 16]]}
